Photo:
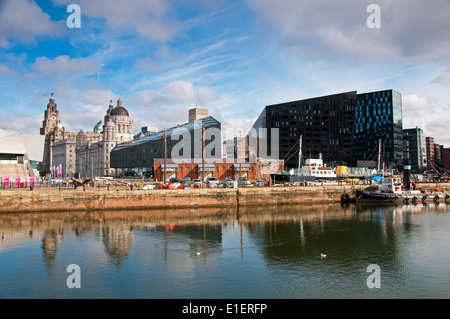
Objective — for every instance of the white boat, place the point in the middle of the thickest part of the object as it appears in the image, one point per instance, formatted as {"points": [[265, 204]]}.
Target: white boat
{"points": [[314, 167]]}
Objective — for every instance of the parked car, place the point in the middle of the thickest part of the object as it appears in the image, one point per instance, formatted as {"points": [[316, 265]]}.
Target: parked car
{"points": [[227, 182], [244, 181], [212, 182], [186, 181], [197, 183], [174, 183]]}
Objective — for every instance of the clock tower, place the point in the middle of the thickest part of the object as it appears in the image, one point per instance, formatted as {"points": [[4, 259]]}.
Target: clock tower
{"points": [[51, 117], [51, 127]]}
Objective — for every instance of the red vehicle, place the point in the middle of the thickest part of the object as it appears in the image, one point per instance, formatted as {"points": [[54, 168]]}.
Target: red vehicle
{"points": [[197, 183]]}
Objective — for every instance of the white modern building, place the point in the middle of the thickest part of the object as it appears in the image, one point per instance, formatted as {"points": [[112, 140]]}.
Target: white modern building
{"points": [[20, 153]]}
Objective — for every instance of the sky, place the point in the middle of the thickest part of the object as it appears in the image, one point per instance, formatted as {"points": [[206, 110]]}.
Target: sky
{"points": [[234, 57]]}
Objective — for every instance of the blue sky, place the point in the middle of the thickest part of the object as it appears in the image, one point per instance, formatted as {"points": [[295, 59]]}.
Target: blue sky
{"points": [[163, 57]]}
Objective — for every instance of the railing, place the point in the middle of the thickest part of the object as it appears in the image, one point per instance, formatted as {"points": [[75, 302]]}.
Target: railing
{"points": [[8, 162]]}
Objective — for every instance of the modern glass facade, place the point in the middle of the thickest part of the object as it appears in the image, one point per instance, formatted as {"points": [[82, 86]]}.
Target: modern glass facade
{"points": [[414, 143], [325, 123], [378, 116], [430, 152]]}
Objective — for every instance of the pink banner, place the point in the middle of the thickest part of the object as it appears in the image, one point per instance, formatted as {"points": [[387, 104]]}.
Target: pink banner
{"points": [[17, 181], [31, 181], [6, 181]]}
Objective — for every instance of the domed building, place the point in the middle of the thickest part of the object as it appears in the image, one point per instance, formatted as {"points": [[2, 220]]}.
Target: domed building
{"points": [[93, 154], [98, 128], [121, 120], [84, 154]]}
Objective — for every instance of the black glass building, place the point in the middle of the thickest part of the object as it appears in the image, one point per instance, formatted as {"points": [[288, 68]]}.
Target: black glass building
{"points": [[415, 149], [378, 117], [326, 125]]}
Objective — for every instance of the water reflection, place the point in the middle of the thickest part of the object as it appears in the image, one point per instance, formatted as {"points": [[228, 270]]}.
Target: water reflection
{"points": [[269, 252], [308, 227], [117, 241], [116, 229], [50, 242]]}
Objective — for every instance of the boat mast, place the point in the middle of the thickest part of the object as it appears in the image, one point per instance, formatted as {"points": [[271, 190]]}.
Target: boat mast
{"points": [[300, 156], [379, 154]]}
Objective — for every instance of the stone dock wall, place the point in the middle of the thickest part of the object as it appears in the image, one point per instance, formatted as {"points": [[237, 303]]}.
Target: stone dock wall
{"points": [[54, 199]]}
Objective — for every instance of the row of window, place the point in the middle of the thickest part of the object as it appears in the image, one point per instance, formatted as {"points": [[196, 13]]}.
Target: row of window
{"points": [[381, 109], [371, 100]]}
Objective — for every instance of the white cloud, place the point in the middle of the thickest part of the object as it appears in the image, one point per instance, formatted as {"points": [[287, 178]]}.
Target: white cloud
{"points": [[146, 97], [180, 91], [428, 114], [5, 70], [171, 104], [24, 20], [337, 29], [21, 122], [206, 95], [147, 18], [414, 103], [434, 128], [98, 97], [147, 65], [65, 65], [443, 78]]}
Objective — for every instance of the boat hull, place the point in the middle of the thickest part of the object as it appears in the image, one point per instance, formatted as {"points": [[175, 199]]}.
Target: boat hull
{"points": [[373, 196]]}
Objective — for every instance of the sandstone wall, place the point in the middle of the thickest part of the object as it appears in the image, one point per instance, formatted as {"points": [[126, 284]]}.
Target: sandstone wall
{"points": [[101, 199]]}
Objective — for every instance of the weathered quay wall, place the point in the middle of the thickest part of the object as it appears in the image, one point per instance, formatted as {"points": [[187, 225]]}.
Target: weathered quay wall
{"points": [[53, 199]]}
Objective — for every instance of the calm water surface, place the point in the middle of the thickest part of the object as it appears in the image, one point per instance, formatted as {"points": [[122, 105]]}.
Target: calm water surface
{"points": [[266, 252]]}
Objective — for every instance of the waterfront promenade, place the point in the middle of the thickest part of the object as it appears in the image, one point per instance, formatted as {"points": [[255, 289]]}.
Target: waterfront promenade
{"points": [[96, 198]]}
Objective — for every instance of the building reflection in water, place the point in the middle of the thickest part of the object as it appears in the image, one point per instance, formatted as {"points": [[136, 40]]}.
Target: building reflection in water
{"points": [[201, 240], [51, 239], [281, 232], [117, 242]]}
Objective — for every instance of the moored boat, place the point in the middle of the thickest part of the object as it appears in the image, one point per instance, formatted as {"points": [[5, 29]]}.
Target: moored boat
{"points": [[391, 189]]}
